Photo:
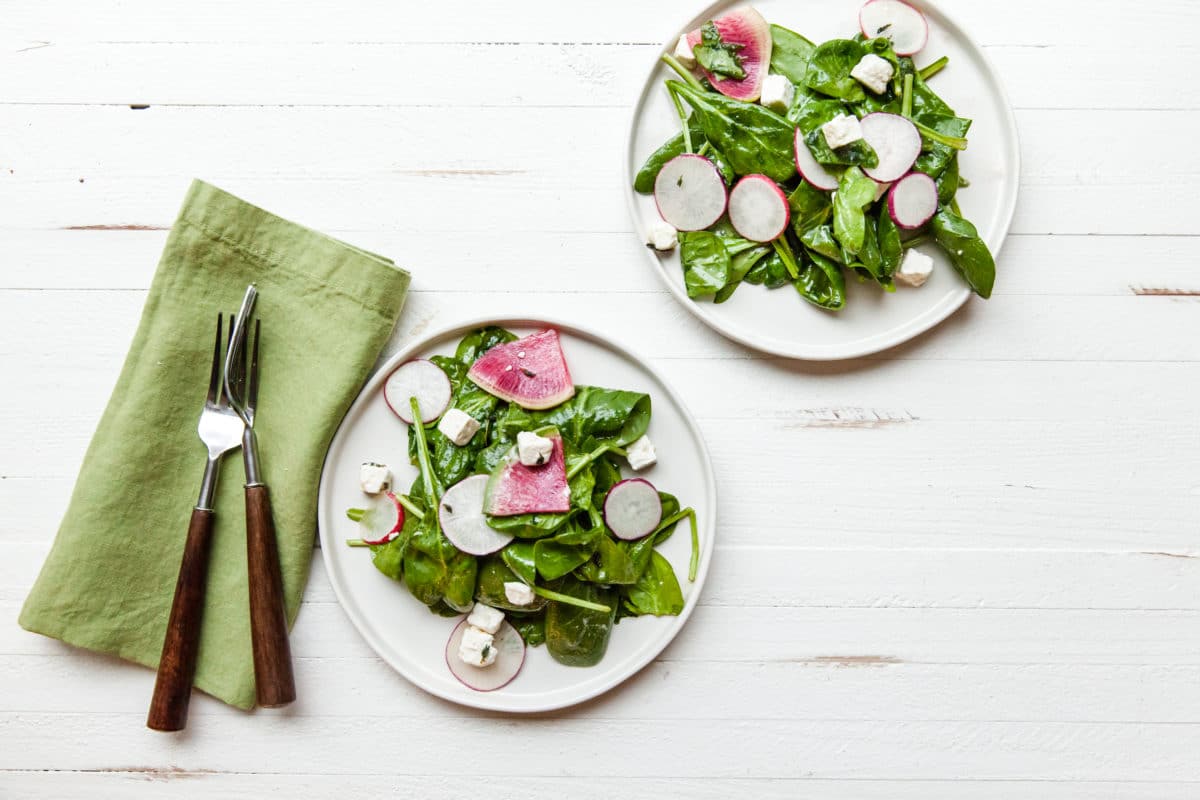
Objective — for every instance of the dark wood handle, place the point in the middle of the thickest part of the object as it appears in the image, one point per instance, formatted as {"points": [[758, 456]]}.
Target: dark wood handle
{"points": [[177, 665], [273, 678]]}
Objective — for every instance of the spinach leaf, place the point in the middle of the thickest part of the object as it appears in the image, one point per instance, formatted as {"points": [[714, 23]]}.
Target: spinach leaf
{"points": [[948, 182], [770, 272], [592, 414], [820, 240], [489, 587], [829, 69], [643, 182], [739, 265], [935, 156], [518, 556], [657, 591], [705, 263], [670, 507], [532, 629], [435, 571], [479, 342], [578, 637], [967, 252], [810, 206], [562, 554], [854, 193], [891, 250], [718, 56], [870, 261], [790, 53], [530, 526], [750, 137], [617, 562], [822, 283], [810, 114]]}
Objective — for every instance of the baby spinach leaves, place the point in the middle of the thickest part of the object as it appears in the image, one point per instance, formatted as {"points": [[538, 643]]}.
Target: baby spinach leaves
{"points": [[657, 590], [854, 193], [829, 70], [967, 252], [790, 53], [822, 283], [751, 138], [578, 637], [718, 56]]}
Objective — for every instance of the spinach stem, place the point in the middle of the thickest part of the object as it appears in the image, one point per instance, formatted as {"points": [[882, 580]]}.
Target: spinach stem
{"points": [[704, 148], [787, 256], [592, 456], [929, 71], [907, 103], [356, 543], [427, 477], [954, 207], [571, 601], [355, 514], [954, 142], [683, 121], [682, 72], [410, 506], [690, 513]]}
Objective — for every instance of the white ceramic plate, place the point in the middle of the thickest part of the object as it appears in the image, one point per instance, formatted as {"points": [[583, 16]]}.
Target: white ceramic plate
{"points": [[781, 322], [413, 640]]}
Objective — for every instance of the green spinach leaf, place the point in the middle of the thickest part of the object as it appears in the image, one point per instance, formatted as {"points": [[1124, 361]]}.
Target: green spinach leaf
{"points": [[643, 182], [578, 637], [494, 572], [967, 252], [790, 53], [854, 193], [829, 69], [810, 206], [657, 591], [891, 250], [717, 55], [705, 263], [770, 272], [822, 283]]}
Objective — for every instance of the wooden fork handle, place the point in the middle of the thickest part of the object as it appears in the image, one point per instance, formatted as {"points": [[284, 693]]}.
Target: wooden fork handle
{"points": [[177, 665], [274, 682]]}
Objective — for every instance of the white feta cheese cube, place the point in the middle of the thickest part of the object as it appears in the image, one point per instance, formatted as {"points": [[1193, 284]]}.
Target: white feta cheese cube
{"points": [[661, 235], [640, 454], [458, 426], [842, 130], [518, 593], [533, 450], [683, 52], [915, 268], [485, 618], [873, 72], [777, 93], [477, 647], [374, 478]]}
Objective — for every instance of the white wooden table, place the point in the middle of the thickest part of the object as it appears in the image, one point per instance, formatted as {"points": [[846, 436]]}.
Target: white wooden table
{"points": [[965, 568]]}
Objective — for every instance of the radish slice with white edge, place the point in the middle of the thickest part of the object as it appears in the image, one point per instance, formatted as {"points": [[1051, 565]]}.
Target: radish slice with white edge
{"points": [[632, 509], [510, 656], [462, 519], [896, 20], [895, 140], [810, 169], [383, 521], [758, 209], [913, 200], [423, 380], [690, 192]]}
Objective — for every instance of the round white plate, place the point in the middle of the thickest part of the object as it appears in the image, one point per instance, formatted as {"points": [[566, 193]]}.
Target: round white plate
{"points": [[780, 321], [411, 638]]}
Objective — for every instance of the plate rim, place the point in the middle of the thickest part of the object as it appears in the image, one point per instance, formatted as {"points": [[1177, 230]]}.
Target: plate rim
{"points": [[920, 324], [494, 701]]}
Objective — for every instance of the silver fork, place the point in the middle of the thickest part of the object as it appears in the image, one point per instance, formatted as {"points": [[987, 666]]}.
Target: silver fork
{"points": [[220, 430], [274, 682]]}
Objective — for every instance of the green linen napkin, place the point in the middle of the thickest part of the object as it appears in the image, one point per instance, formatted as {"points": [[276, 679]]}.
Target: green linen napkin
{"points": [[327, 310]]}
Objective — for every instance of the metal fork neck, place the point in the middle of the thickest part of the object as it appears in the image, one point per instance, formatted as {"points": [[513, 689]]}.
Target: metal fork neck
{"points": [[208, 484], [250, 456]]}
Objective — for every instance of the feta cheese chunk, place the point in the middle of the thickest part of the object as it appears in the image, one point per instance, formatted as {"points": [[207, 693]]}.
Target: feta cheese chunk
{"points": [[661, 235], [842, 130], [915, 268], [518, 593], [777, 93], [533, 450], [873, 72], [374, 478], [485, 618], [640, 454], [477, 648], [458, 426], [683, 52]]}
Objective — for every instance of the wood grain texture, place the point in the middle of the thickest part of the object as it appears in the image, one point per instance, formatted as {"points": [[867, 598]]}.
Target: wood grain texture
{"points": [[964, 568], [274, 683]]}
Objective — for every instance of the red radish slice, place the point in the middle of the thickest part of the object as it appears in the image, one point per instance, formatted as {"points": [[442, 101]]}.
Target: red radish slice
{"points": [[913, 200], [531, 371], [745, 27], [423, 380], [462, 519], [895, 140], [810, 169], [758, 209], [690, 192], [381, 522], [632, 509], [896, 20], [510, 657]]}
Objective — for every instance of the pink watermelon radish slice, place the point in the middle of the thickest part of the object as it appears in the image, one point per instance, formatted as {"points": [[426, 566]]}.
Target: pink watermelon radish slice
{"points": [[745, 27], [514, 488], [530, 372]]}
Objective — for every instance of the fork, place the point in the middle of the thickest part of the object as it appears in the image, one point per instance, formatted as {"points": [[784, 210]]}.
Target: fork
{"points": [[220, 430], [274, 683]]}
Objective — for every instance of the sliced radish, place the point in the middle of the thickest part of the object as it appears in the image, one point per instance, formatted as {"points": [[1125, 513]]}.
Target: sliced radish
{"points": [[895, 140], [510, 656], [913, 200], [747, 29], [423, 380], [810, 169], [758, 209], [632, 509], [690, 192], [462, 519], [896, 20], [383, 521]]}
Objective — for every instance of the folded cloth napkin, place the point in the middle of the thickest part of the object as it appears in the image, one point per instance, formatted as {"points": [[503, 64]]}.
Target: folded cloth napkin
{"points": [[327, 310]]}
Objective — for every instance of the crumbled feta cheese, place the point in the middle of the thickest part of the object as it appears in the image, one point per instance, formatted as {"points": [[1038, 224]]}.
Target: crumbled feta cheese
{"points": [[458, 426], [533, 450], [477, 647], [375, 478], [777, 93], [842, 130], [683, 52], [640, 454], [661, 235], [915, 268], [518, 593], [485, 618], [873, 72]]}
